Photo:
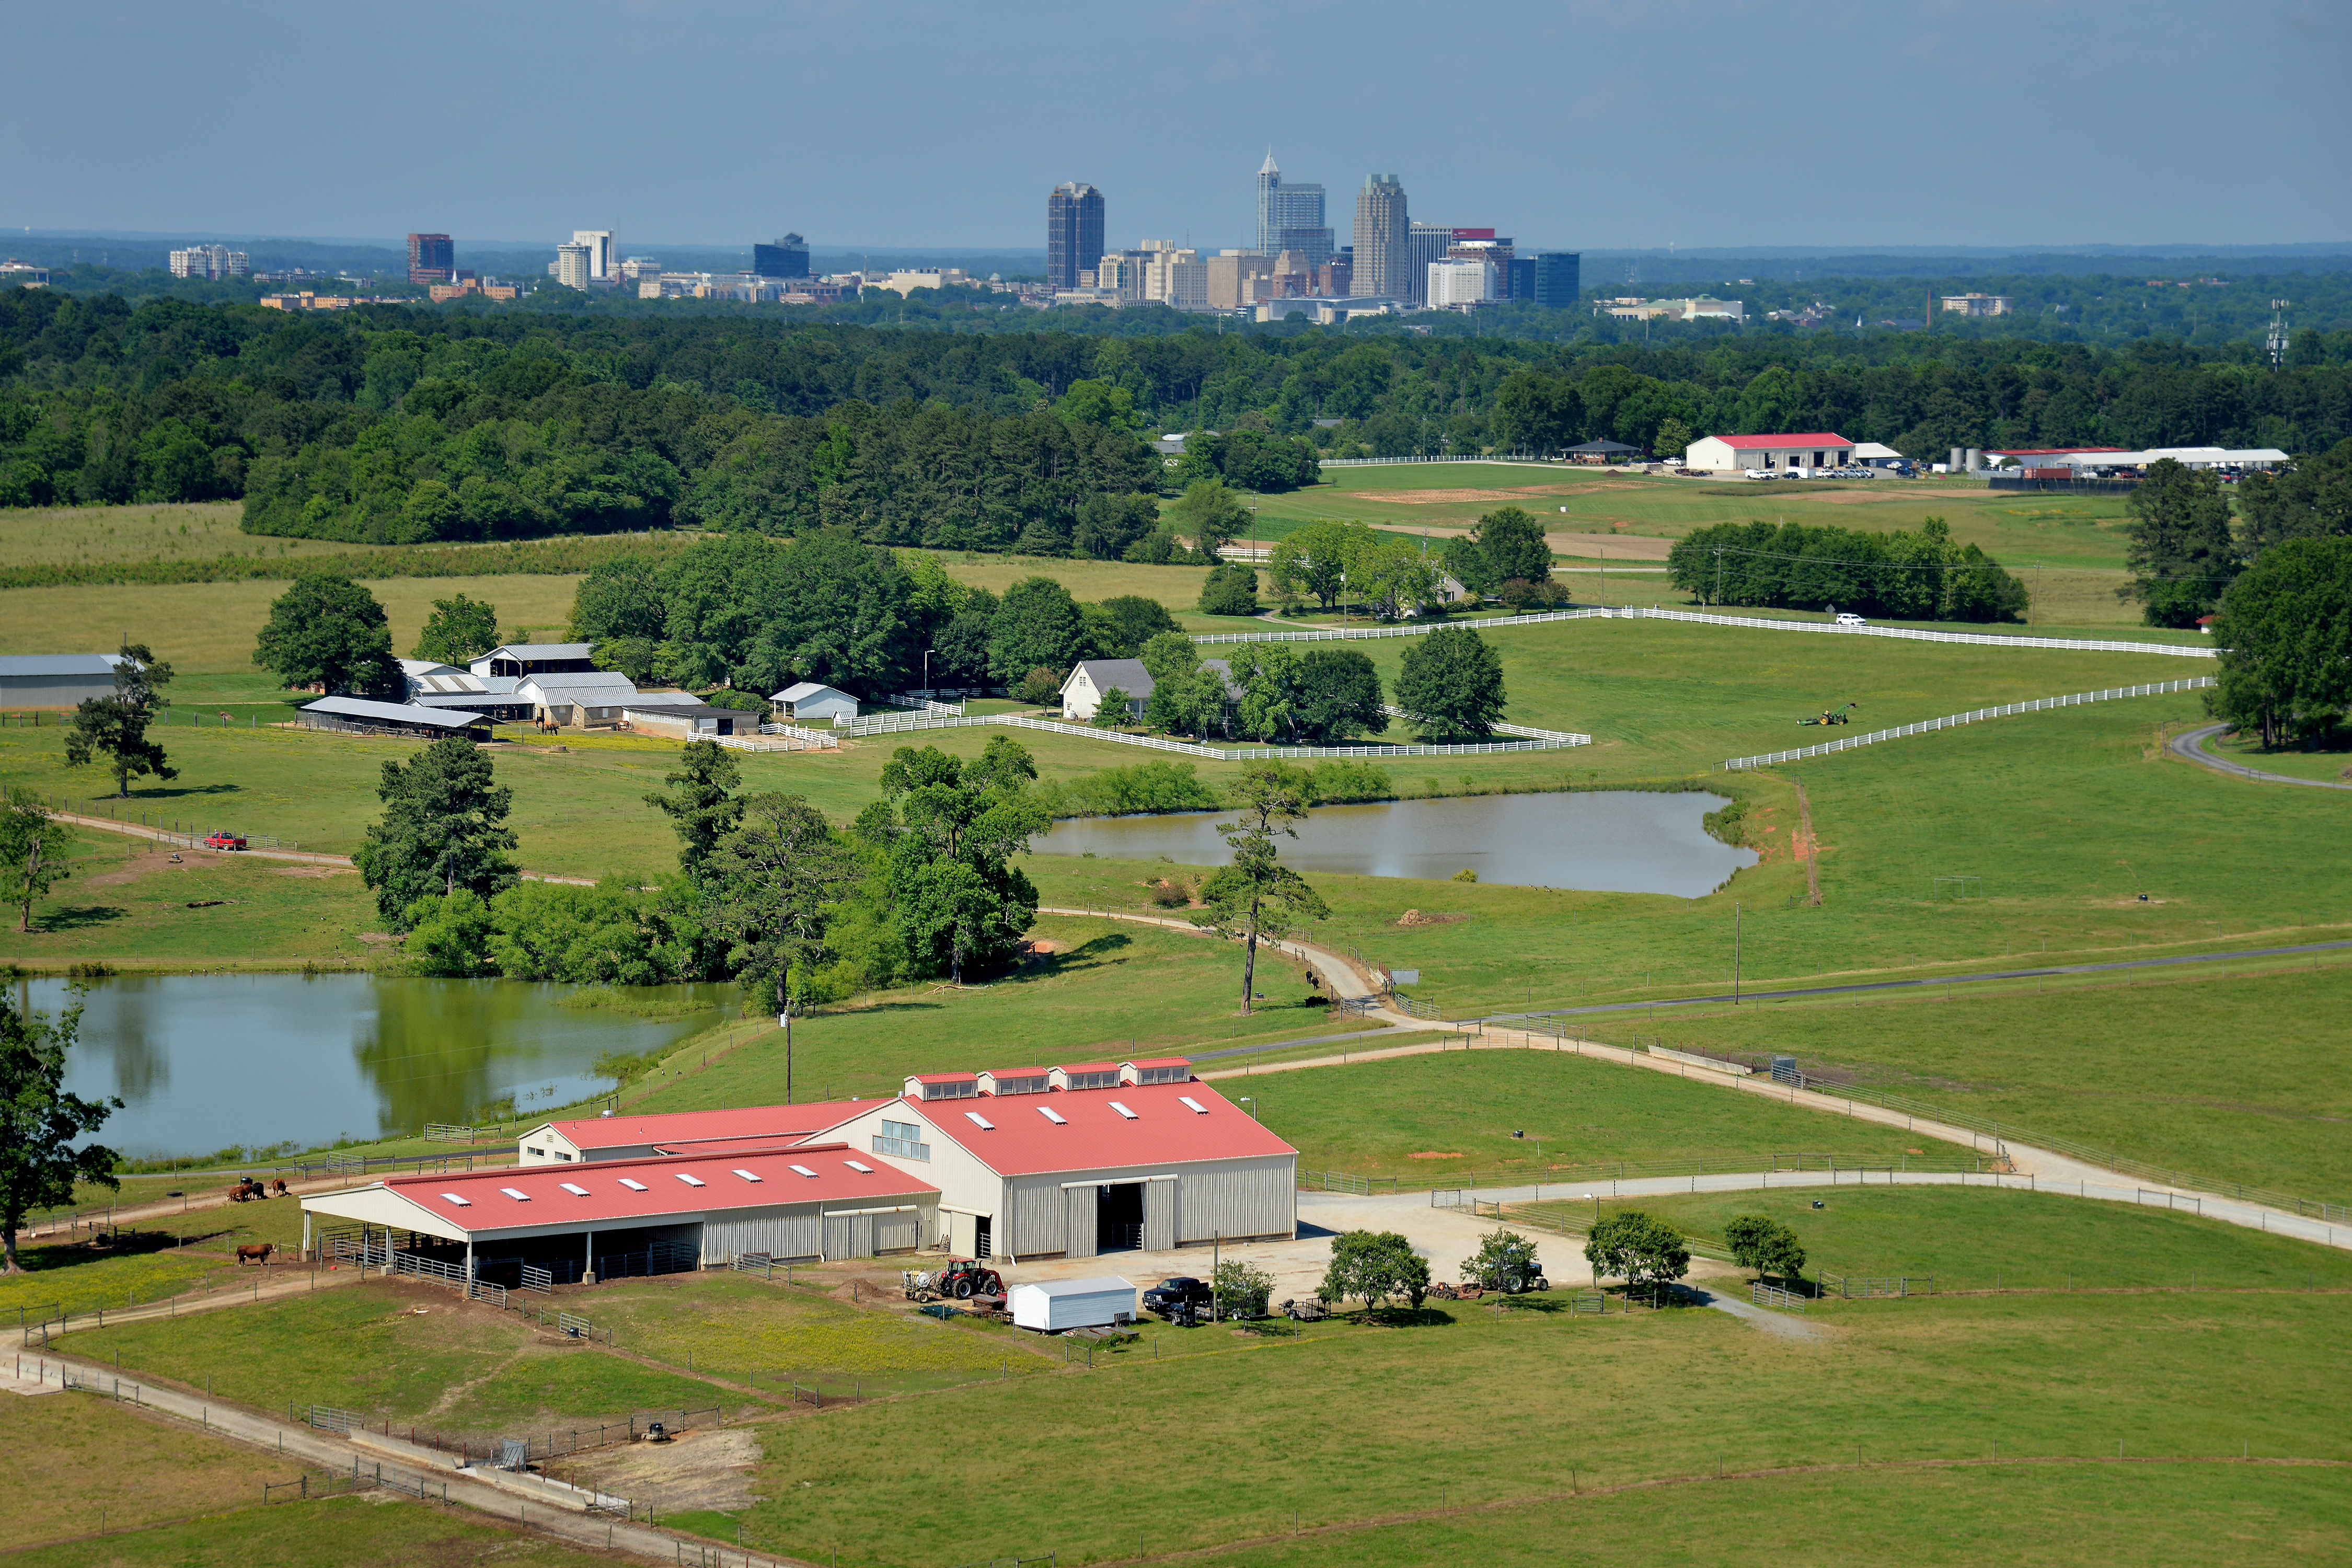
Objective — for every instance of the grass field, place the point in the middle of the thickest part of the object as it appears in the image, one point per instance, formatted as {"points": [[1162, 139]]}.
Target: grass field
{"points": [[197, 530], [1482, 1407], [373, 1530], [1981, 1238], [2333, 763], [71, 1455], [1388, 1118], [129, 905], [454, 1367]]}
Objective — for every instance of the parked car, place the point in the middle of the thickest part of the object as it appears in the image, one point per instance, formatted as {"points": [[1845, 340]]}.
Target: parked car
{"points": [[220, 838], [1757, 473], [1180, 1290], [1848, 618]]}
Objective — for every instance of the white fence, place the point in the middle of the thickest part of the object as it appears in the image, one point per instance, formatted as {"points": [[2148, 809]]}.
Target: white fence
{"points": [[1752, 623], [897, 723], [780, 738], [1563, 737], [1529, 458], [2037, 705]]}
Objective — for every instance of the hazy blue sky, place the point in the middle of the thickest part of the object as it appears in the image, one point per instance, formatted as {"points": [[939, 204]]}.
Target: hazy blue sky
{"points": [[1597, 125]]}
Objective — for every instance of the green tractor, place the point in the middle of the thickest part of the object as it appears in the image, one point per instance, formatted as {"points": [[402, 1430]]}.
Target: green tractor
{"points": [[1830, 716]]}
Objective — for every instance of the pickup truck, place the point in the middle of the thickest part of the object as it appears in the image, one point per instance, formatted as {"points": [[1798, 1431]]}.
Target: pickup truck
{"points": [[1169, 1294], [220, 838]]}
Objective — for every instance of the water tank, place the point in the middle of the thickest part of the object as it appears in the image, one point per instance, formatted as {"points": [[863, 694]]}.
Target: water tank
{"points": [[1976, 459], [1952, 464]]}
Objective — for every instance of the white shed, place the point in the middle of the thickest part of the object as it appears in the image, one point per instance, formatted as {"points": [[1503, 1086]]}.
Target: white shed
{"points": [[809, 703], [1053, 1305]]}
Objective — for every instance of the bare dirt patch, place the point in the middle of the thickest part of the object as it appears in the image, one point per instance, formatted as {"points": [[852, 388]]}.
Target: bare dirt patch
{"points": [[1454, 497], [1416, 918], [1431, 1155], [701, 1469]]}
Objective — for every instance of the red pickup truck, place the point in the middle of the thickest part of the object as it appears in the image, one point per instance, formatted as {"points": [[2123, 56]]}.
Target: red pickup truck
{"points": [[220, 838]]}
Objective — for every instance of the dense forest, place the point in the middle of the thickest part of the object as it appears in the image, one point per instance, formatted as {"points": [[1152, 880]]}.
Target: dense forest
{"points": [[393, 423]]}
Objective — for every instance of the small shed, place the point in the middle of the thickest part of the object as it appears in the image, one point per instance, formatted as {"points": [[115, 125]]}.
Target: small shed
{"points": [[358, 715], [1050, 1306], [687, 720], [809, 703], [1604, 452]]}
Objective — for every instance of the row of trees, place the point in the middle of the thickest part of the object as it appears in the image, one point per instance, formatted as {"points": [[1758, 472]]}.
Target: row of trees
{"points": [[2186, 546], [594, 420], [1922, 577], [1450, 688], [1647, 1252]]}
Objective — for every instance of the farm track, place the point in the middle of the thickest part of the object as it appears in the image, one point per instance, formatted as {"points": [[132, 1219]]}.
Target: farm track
{"points": [[2190, 745]]}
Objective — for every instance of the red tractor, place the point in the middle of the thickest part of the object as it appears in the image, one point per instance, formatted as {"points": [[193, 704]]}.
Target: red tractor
{"points": [[962, 1279]]}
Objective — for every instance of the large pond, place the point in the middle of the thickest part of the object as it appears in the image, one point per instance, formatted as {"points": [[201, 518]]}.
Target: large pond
{"points": [[1616, 841], [205, 1061]]}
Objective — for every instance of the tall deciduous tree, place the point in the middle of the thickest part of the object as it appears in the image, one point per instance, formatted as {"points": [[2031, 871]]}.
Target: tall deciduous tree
{"points": [[459, 630], [701, 803], [1513, 543], [957, 900], [1210, 512], [444, 828], [2312, 500], [1036, 626], [1764, 1244], [2285, 631], [1450, 685], [1339, 695], [1257, 898], [1638, 1249], [2181, 554], [327, 630], [1371, 1267], [1314, 560], [39, 1160], [1186, 695], [116, 725], [32, 848], [779, 873]]}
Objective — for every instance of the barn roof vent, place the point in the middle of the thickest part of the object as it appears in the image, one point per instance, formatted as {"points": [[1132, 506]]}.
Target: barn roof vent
{"points": [[575, 1188], [520, 1197], [1122, 1109], [689, 1180], [982, 1122], [1054, 1116], [633, 1186], [461, 1203]]}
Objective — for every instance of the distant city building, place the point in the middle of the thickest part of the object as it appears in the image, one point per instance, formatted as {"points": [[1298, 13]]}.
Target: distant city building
{"points": [[788, 257], [1458, 283], [1331, 279], [209, 261], [1073, 233], [1482, 245], [1558, 283], [1382, 227], [1239, 278], [571, 263], [1425, 243], [1980, 304], [1174, 276], [468, 284], [1290, 217], [15, 274], [638, 269], [907, 279], [307, 301], [604, 261], [431, 259], [1699, 310]]}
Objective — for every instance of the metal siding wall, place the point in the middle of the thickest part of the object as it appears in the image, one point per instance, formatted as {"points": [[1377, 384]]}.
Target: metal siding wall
{"points": [[1160, 1215], [1081, 1232], [778, 1232], [897, 1232], [840, 1235], [1237, 1197], [1034, 1224]]}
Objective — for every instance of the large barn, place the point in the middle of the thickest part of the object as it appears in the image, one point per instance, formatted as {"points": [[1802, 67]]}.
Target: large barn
{"points": [[1060, 1161]]}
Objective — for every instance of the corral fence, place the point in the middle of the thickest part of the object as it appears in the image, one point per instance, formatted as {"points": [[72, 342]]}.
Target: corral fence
{"points": [[1953, 721], [361, 1476], [903, 723], [1862, 1288], [512, 1453], [1763, 1295], [1588, 1178], [446, 1132], [1343, 1182]]}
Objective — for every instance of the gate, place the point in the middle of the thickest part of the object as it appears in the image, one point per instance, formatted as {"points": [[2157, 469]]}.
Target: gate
{"points": [[326, 1418], [537, 1280]]}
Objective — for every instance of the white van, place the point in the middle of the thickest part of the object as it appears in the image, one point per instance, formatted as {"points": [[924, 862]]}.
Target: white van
{"points": [[1848, 618]]}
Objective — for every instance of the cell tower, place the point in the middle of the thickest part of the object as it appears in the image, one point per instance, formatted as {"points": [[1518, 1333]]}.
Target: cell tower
{"points": [[2276, 342]]}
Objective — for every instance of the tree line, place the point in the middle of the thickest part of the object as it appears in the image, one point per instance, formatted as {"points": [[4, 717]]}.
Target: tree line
{"points": [[1901, 575]]}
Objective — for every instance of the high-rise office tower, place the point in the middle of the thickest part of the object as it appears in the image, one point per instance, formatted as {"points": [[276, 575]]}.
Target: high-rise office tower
{"points": [[1382, 228], [788, 257], [1556, 283], [1425, 243], [431, 259], [571, 263], [1290, 217], [603, 264], [1073, 233]]}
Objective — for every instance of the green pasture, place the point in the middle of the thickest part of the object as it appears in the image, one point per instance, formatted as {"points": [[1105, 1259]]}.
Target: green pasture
{"points": [[1429, 1118], [373, 1530], [72, 1455], [2302, 761], [454, 1366], [1966, 1513], [2237, 1076], [1472, 1406], [175, 531], [1976, 1239], [70, 1274]]}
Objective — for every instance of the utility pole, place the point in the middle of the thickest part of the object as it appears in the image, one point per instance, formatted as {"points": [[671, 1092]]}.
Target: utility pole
{"points": [[1718, 577], [1734, 956]]}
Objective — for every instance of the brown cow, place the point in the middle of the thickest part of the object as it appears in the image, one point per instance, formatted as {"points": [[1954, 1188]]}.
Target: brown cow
{"points": [[238, 1194], [278, 1186], [260, 1254]]}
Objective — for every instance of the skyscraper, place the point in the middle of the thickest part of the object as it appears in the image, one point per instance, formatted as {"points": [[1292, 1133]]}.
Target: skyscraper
{"points": [[1557, 281], [571, 262], [1290, 217], [1382, 228], [1073, 233], [604, 264], [788, 257], [431, 259]]}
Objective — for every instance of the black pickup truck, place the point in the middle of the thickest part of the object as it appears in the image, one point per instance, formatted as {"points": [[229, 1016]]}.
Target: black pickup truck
{"points": [[1171, 1293]]}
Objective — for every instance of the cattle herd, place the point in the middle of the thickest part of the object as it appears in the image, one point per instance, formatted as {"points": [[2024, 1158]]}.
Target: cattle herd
{"points": [[246, 1191]]}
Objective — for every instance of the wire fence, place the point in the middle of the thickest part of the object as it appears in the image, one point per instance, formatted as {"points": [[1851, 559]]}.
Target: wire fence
{"points": [[1953, 721]]}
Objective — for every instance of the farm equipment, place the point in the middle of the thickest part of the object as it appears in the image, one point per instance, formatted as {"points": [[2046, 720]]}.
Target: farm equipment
{"points": [[1830, 716], [1309, 1311], [962, 1279]]}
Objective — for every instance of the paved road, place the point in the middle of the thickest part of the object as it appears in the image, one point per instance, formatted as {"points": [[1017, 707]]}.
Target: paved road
{"points": [[2190, 744], [1926, 982]]}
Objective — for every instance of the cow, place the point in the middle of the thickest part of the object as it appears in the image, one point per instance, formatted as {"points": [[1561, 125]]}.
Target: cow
{"points": [[277, 1187], [251, 1254]]}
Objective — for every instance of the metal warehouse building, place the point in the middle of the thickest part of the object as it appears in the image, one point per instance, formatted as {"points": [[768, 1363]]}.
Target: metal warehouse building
{"points": [[619, 1217], [680, 1132], [56, 680]]}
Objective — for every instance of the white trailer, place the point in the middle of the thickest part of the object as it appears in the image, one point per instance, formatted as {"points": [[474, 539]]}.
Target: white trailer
{"points": [[1054, 1305]]}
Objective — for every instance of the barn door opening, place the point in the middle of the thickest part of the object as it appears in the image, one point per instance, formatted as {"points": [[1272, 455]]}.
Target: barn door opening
{"points": [[1118, 1218], [981, 1240]]}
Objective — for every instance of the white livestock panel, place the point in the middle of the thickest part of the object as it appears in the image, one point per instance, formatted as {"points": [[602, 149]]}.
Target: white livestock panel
{"points": [[1053, 1306]]}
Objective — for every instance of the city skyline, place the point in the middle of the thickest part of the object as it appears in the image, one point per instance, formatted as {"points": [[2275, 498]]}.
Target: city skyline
{"points": [[1918, 112]]}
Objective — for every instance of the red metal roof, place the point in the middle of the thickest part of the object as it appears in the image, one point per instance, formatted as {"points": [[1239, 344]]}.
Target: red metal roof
{"points": [[1092, 1136], [2046, 451], [547, 1201], [1809, 438], [945, 1077], [679, 1127]]}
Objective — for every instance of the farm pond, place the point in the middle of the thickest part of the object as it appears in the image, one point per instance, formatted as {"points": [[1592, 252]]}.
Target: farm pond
{"points": [[1613, 841], [205, 1061]]}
